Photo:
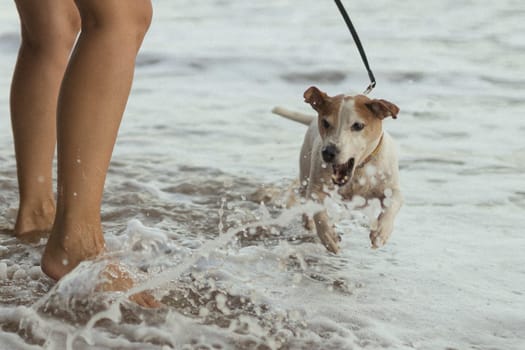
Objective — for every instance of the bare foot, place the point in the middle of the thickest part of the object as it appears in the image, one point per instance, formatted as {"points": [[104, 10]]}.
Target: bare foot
{"points": [[114, 278], [36, 217], [84, 242]]}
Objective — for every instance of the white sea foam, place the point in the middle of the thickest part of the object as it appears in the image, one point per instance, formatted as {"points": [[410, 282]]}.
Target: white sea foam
{"points": [[3, 271]]}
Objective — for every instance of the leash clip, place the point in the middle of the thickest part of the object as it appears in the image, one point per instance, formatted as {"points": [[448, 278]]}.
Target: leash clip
{"points": [[370, 88]]}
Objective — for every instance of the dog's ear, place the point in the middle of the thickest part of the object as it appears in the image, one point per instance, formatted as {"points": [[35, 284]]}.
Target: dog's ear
{"points": [[316, 98], [382, 108]]}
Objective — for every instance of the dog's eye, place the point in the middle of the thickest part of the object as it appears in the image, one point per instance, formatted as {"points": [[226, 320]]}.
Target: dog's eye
{"points": [[358, 126], [325, 124]]}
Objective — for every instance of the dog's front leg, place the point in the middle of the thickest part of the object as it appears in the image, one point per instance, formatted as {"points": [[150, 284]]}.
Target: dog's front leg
{"points": [[385, 223], [325, 231], [324, 227], [314, 178]]}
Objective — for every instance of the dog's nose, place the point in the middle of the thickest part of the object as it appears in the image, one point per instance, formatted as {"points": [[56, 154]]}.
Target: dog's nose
{"points": [[329, 152]]}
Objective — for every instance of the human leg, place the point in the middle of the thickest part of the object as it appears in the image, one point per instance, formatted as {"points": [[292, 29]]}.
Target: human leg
{"points": [[92, 100], [47, 39]]}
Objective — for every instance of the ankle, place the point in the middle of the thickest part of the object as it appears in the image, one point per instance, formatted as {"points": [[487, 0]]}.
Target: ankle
{"points": [[35, 215], [78, 237]]}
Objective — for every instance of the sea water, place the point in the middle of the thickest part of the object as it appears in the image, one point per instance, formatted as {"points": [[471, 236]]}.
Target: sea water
{"points": [[198, 146]]}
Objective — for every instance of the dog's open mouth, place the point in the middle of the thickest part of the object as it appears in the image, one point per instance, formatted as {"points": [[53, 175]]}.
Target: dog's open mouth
{"points": [[342, 172]]}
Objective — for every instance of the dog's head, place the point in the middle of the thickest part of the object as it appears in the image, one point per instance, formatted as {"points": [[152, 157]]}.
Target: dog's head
{"points": [[350, 127]]}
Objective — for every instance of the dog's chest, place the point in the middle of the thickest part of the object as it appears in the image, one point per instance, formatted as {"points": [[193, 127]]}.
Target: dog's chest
{"points": [[367, 182]]}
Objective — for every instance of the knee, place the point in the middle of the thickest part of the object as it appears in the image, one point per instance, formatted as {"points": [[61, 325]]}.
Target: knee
{"points": [[54, 35], [129, 21], [139, 22]]}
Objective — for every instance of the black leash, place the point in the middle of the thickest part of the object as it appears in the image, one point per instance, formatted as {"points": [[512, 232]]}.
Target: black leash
{"points": [[359, 45]]}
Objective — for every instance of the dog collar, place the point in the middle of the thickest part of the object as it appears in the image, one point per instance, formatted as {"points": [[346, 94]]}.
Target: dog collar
{"points": [[374, 152]]}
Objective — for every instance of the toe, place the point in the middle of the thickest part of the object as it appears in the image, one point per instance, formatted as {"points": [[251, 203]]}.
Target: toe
{"points": [[146, 300]]}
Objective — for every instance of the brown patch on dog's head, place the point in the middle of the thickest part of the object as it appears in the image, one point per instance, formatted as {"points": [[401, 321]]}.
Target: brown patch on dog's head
{"points": [[326, 106], [374, 111], [373, 123], [321, 102], [318, 99], [382, 108]]}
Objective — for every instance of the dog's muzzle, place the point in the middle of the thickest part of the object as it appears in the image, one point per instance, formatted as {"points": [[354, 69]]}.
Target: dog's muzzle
{"points": [[341, 172]]}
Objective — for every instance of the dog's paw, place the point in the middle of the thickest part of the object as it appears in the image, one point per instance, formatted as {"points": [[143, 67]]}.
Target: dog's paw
{"points": [[330, 240], [379, 237], [376, 240], [308, 222]]}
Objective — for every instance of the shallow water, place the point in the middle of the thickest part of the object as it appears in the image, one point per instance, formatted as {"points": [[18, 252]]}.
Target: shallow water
{"points": [[198, 141]]}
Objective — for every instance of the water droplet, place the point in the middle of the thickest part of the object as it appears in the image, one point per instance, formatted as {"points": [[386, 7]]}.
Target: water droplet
{"points": [[221, 304], [65, 262], [370, 170], [203, 312]]}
